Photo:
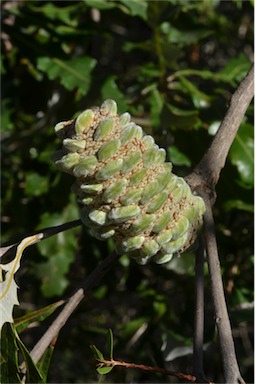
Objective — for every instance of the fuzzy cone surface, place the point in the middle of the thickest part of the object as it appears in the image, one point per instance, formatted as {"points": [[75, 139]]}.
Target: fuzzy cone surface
{"points": [[125, 188]]}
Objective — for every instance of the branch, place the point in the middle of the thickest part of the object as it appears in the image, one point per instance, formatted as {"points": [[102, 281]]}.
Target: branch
{"points": [[182, 376], [230, 365], [71, 305], [199, 314], [207, 172]]}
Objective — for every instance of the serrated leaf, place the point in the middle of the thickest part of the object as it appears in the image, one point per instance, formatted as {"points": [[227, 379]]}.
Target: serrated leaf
{"points": [[8, 286], [72, 74], [104, 370], [23, 322], [241, 154]]}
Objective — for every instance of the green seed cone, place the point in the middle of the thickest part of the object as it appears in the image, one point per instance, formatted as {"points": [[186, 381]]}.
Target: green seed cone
{"points": [[125, 188]]}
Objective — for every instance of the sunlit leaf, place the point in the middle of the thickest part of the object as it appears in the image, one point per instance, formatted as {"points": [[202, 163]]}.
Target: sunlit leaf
{"points": [[104, 370], [242, 154], [74, 73], [23, 322], [136, 7]]}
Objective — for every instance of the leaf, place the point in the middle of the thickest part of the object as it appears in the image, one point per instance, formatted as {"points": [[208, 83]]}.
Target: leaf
{"points": [[8, 286], [58, 250], [44, 362], [110, 90], [177, 157], [241, 154], [238, 204], [35, 184], [100, 4], [74, 73], [136, 7], [23, 322], [110, 343], [104, 370], [9, 356], [32, 373], [157, 102], [183, 38], [200, 99], [98, 354], [236, 68]]}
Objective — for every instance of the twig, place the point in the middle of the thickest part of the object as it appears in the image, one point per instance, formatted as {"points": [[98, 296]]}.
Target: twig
{"points": [[206, 173], [230, 366], [70, 306], [198, 367], [182, 376]]}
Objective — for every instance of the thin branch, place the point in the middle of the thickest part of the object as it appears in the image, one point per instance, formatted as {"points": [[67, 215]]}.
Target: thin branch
{"points": [[71, 305], [182, 376], [230, 365], [207, 172], [198, 367]]}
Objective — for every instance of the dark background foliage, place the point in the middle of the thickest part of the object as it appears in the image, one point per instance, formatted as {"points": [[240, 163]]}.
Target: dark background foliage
{"points": [[173, 65]]}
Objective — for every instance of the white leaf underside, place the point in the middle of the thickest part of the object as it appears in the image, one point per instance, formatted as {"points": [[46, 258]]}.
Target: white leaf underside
{"points": [[8, 286]]}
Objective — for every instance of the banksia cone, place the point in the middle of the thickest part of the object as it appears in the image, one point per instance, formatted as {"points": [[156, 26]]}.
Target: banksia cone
{"points": [[125, 188]]}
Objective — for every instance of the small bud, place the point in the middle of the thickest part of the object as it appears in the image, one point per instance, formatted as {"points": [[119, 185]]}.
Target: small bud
{"points": [[175, 245], [108, 150], [129, 162], [162, 222], [85, 166], [156, 203], [121, 214], [104, 129], [109, 170], [130, 132], [142, 224], [98, 217], [84, 121], [109, 107], [131, 197], [124, 119], [132, 243], [74, 145], [114, 190]]}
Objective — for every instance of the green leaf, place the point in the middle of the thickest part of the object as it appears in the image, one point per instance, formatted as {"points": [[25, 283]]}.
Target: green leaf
{"points": [[32, 374], [35, 184], [23, 322], [59, 251], [43, 364], [177, 157], [98, 354], [238, 204], [236, 68], [9, 356], [110, 343], [110, 90], [177, 118], [157, 102], [100, 4], [74, 73], [241, 154], [200, 99], [136, 7], [183, 38], [104, 370]]}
